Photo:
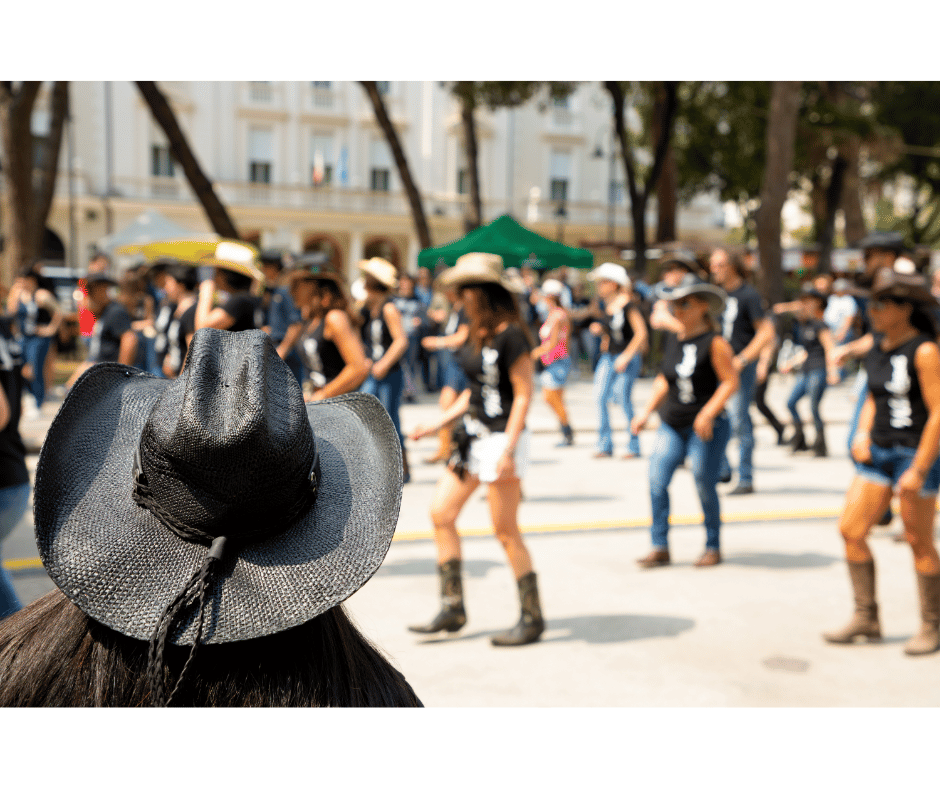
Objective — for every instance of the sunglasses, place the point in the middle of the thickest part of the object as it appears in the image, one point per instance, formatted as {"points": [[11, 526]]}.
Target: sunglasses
{"points": [[683, 303]]}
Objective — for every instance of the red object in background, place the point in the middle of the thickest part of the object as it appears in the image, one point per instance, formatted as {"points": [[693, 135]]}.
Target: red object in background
{"points": [[86, 320]]}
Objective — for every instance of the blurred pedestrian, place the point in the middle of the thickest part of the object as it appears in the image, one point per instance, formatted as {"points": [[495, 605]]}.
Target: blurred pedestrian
{"points": [[227, 300], [282, 320], [554, 356], [133, 295], [766, 364], [384, 338], [38, 317], [179, 282], [695, 382], [412, 317], [232, 520], [746, 327], [815, 369], [895, 453], [330, 348], [14, 476], [624, 341], [492, 442]]}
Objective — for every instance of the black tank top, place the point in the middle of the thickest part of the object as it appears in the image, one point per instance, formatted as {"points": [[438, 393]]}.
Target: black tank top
{"points": [[807, 336], [376, 338], [900, 412], [619, 328], [687, 367], [320, 356]]}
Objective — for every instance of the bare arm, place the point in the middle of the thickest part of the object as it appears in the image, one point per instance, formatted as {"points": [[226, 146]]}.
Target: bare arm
{"points": [[657, 395], [206, 315], [854, 349], [829, 345], [552, 339], [927, 364], [294, 330], [764, 336], [127, 351], [639, 343], [663, 320], [520, 376], [4, 409], [452, 342], [455, 411]]}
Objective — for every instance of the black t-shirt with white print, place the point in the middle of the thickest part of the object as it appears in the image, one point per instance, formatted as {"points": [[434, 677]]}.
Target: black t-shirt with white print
{"points": [[177, 332], [487, 371], [807, 336], [743, 309], [900, 411], [110, 326], [687, 367], [619, 329]]}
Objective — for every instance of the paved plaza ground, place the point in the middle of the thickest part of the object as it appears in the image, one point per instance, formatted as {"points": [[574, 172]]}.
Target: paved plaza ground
{"points": [[742, 634]]}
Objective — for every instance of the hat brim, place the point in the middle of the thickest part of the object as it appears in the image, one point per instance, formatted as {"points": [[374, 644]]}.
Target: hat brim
{"points": [[917, 295], [453, 278], [379, 275], [713, 294], [122, 567], [239, 268]]}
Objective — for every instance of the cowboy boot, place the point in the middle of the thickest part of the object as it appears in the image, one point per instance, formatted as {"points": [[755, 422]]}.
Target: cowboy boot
{"points": [[819, 445], [798, 441], [452, 615], [928, 639], [531, 625], [864, 622]]}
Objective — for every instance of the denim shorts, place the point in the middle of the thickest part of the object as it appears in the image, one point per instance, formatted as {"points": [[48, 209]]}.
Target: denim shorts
{"points": [[888, 463], [454, 376], [553, 377]]}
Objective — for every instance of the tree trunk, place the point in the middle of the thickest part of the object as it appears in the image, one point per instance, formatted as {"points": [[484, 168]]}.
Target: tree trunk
{"points": [[781, 134], [45, 189], [667, 187], [201, 185], [16, 109], [391, 136], [833, 198], [855, 228], [474, 215]]}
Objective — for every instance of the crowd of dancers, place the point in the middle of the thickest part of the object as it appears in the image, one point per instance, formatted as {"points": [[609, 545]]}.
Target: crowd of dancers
{"points": [[486, 339]]}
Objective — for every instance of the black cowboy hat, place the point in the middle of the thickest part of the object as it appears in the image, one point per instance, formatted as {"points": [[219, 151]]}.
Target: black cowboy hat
{"points": [[889, 283], [690, 284]]}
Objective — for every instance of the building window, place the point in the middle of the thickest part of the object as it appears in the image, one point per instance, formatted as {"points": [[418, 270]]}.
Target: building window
{"points": [[161, 161], [559, 175], [321, 159], [260, 91], [463, 181], [260, 155], [560, 103], [384, 88], [322, 85], [379, 180], [558, 190]]}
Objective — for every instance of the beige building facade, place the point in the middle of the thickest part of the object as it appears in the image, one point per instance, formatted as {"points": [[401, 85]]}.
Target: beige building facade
{"points": [[303, 166]]}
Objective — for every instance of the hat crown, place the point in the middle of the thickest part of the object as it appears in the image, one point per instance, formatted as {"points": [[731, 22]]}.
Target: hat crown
{"points": [[228, 448]]}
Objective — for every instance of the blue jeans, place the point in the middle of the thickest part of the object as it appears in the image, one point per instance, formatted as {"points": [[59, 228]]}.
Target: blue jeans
{"points": [[739, 409], [860, 393], [812, 382], [13, 501], [670, 449], [35, 350], [389, 391], [605, 378]]}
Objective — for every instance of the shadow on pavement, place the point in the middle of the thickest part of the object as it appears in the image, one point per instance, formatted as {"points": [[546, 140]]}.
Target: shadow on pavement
{"points": [[568, 498], [614, 628], [782, 560], [427, 566]]}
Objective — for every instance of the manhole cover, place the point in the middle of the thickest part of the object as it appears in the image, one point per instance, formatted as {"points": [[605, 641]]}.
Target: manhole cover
{"points": [[791, 664]]}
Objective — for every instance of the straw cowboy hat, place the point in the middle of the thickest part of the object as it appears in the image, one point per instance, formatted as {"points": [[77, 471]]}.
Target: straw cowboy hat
{"points": [[611, 272], [690, 284], [382, 270], [477, 268], [889, 283], [223, 478], [234, 256]]}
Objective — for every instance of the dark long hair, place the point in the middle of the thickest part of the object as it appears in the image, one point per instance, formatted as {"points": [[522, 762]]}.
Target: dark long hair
{"points": [[923, 319], [497, 304], [53, 654]]}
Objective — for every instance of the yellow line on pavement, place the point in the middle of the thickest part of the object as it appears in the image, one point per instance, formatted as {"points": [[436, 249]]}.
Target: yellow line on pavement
{"points": [[20, 564]]}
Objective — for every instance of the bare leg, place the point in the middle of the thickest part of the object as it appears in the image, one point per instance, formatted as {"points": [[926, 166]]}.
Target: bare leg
{"points": [[449, 498], [555, 400], [917, 515], [504, 497], [864, 503]]}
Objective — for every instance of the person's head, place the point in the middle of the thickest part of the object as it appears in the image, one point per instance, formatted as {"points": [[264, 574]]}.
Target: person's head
{"points": [[880, 250], [727, 269], [232, 281], [813, 303], [180, 281], [551, 292], [609, 279], [100, 263], [379, 277], [823, 283], [31, 279], [406, 285], [694, 302], [900, 300], [236, 266], [215, 510], [100, 290], [272, 265]]}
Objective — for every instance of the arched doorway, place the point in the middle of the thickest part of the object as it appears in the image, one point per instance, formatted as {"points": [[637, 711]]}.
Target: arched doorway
{"points": [[382, 247], [51, 246], [327, 246]]}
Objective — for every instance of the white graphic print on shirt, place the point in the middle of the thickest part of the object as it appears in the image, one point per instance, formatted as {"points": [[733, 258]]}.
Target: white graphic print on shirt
{"points": [[899, 405], [729, 316], [312, 352], [375, 333], [616, 327], [684, 370], [492, 406]]}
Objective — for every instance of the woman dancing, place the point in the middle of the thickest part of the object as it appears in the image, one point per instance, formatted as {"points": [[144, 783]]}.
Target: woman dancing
{"points": [[695, 381], [895, 451], [553, 353], [492, 442]]}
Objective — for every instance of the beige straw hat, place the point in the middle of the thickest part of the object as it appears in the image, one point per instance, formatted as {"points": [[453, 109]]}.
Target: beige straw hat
{"points": [[382, 270], [478, 268], [235, 256]]}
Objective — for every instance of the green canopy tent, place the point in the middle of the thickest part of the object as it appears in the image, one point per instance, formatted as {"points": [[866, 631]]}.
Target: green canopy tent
{"points": [[514, 243]]}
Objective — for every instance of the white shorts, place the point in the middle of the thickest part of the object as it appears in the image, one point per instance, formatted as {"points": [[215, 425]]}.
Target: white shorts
{"points": [[486, 451]]}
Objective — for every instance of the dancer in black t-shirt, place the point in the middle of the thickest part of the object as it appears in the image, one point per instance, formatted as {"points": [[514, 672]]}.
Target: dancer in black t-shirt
{"points": [[895, 451], [492, 441], [237, 274], [696, 379], [179, 283]]}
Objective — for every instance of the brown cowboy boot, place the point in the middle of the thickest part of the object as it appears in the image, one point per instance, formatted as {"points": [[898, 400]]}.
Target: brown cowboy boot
{"points": [[452, 615], [864, 622], [928, 639], [531, 625]]}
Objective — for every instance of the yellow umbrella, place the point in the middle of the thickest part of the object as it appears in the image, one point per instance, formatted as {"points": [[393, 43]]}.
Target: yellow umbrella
{"points": [[187, 250]]}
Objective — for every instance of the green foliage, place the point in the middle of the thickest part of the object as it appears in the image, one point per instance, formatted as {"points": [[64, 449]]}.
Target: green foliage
{"points": [[496, 95]]}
